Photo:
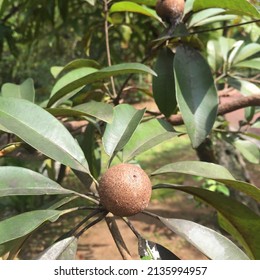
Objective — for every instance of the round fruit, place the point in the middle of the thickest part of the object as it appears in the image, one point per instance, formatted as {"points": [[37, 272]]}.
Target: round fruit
{"points": [[125, 189]]}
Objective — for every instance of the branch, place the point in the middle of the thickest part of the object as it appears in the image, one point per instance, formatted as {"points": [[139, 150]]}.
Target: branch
{"points": [[239, 103], [224, 27]]}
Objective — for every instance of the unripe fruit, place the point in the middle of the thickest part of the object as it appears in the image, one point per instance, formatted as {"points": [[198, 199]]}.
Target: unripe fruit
{"points": [[125, 189]]}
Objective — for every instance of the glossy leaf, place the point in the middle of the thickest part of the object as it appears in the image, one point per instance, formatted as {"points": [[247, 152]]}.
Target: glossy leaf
{"points": [[214, 58], [188, 6], [245, 87], [153, 251], [127, 6], [24, 90], [235, 49], [12, 247], [225, 45], [62, 250], [243, 220], [117, 134], [22, 224], [75, 64], [78, 78], [99, 110], [249, 150], [43, 132], [211, 171], [217, 18], [211, 243], [163, 85], [246, 52], [146, 136], [91, 149], [240, 7], [252, 63], [196, 93], [204, 14], [22, 181]]}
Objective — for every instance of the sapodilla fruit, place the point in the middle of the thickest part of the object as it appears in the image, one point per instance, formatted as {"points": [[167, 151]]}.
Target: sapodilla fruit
{"points": [[125, 189], [170, 11]]}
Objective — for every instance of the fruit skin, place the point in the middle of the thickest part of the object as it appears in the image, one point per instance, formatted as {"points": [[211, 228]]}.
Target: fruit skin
{"points": [[170, 11], [125, 189]]}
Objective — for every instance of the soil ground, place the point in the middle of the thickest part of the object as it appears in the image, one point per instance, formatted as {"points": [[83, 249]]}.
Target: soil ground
{"points": [[98, 244]]}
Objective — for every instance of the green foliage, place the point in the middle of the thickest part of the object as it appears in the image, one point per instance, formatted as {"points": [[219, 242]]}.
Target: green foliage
{"points": [[92, 89], [163, 85]]}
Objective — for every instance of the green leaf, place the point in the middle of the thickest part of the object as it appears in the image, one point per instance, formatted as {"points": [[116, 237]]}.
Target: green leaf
{"points": [[91, 149], [147, 135], [245, 87], [42, 131], [163, 85], [22, 224], [240, 7], [225, 45], [126, 6], [211, 243], [249, 150], [243, 219], [235, 49], [24, 91], [215, 59], [22, 181], [117, 134], [188, 6], [210, 171], [216, 19], [154, 251], [252, 63], [202, 15], [99, 110], [196, 93], [78, 78], [246, 52], [75, 64], [62, 250]]}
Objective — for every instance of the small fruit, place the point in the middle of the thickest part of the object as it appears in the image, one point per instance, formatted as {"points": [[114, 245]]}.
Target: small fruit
{"points": [[125, 189], [170, 11]]}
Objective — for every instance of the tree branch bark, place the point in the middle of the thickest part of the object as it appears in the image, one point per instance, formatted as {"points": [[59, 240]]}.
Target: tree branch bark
{"points": [[224, 108]]}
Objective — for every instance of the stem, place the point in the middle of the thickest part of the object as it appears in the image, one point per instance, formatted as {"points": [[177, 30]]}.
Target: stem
{"points": [[72, 231], [150, 214], [87, 197], [121, 246], [151, 52], [223, 27], [106, 27], [136, 233], [100, 218]]}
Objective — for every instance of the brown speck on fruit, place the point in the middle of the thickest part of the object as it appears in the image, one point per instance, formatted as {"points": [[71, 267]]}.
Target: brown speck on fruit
{"points": [[125, 189]]}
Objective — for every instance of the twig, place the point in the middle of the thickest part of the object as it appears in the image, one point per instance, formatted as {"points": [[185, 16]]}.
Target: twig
{"points": [[106, 27], [136, 233], [223, 27], [72, 231], [121, 246], [100, 218]]}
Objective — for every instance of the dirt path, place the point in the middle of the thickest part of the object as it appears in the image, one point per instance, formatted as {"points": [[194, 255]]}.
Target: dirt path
{"points": [[98, 243]]}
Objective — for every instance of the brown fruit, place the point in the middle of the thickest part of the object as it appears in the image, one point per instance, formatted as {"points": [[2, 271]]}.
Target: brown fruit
{"points": [[170, 11], [125, 189]]}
